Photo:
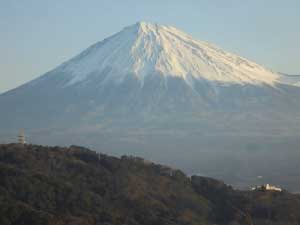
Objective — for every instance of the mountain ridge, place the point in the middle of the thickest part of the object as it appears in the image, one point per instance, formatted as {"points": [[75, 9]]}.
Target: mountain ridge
{"points": [[76, 186]]}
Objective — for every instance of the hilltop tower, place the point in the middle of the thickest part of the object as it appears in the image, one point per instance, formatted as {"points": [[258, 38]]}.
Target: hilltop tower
{"points": [[21, 137]]}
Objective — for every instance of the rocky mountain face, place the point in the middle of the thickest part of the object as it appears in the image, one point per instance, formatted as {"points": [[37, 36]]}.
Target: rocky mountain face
{"points": [[152, 90], [74, 185]]}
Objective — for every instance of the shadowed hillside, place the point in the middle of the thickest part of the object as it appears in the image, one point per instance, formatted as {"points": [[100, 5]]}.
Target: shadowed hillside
{"points": [[70, 186]]}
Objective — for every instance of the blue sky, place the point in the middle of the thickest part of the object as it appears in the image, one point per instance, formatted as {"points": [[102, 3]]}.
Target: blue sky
{"points": [[37, 35]]}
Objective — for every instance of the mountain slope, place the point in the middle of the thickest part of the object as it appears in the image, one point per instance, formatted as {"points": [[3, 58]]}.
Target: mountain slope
{"points": [[146, 70], [152, 90], [55, 186]]}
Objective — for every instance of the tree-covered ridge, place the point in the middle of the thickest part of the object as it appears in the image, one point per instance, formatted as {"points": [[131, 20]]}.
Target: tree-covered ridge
{"points": [[60, 186]]}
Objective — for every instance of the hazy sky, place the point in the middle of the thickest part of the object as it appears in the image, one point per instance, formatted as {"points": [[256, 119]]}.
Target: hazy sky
{"points": [[37, 35]]}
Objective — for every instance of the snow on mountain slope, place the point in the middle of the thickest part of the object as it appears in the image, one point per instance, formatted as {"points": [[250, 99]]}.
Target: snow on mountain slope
{"points": [[145, 49], [290, 79]]}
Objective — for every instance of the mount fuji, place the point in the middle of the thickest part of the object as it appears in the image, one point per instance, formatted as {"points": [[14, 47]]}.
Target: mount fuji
{"points": [[147, 49], [154, 91]]}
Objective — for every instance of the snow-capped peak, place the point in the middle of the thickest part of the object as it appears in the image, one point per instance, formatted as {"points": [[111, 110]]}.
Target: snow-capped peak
{"points": [[145, 49]]}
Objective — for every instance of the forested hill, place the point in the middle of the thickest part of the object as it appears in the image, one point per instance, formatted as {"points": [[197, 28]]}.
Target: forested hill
{"points": [[75, 186]]}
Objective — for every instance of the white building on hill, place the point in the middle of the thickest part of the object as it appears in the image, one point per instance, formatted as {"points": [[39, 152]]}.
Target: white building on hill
{"points": [[267, 187]]}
